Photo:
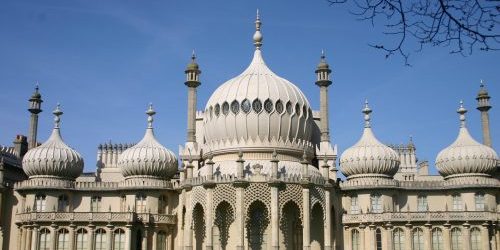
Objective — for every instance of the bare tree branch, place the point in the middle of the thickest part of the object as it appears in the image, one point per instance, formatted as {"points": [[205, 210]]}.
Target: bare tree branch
{"points": [[462, 25]]}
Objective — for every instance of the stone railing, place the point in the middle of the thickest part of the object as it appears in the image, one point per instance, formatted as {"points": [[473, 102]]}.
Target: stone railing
{"points": [[405, 217], [227, 178], [46, 183], [455, 183], [98, 217]]}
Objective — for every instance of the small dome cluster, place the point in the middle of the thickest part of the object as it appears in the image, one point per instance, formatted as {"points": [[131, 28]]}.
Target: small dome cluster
{"points": [[369, 157], [465, 155], [53, 158], [148, 158]]}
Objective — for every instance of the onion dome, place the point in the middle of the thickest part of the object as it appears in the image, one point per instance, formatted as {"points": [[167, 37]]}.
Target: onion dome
{"points": [[466, 156], [148, 158], [322, 63], [193, 65], [257, 106], [53, 158], [369, 157]]}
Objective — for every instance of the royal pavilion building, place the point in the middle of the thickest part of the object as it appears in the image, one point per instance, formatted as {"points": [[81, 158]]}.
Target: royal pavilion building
{"points": [[258, 170]]}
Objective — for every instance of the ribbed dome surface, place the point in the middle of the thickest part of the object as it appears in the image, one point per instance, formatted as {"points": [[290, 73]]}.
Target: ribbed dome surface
{"points": [[465, 155], [53, 158], [258, 103], [148, 158], [369, 157]]}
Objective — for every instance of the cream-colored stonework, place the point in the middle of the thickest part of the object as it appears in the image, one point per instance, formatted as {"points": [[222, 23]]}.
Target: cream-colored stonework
{"points": [[257, 171]]}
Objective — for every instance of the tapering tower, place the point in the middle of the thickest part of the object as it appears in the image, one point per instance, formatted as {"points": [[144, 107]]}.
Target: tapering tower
{"points": [[483, 105], [192, 82], [325, 150], [323, 81], [35, 108]]}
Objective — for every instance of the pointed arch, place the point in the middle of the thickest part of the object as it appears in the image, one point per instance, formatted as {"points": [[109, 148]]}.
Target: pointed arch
{"points": [[224, 217], [317, 230], [199, 225], [291, 226], [257, 223]]}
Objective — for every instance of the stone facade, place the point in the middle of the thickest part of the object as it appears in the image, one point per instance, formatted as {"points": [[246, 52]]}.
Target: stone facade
{"points": [[258, 171]]}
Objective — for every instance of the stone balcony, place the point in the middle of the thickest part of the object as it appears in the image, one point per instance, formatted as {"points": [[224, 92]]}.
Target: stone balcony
{"points": [[405, 217], [93, 217]]}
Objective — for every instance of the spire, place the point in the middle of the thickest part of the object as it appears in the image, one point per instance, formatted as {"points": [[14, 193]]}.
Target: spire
{"points": [[57, 119], [366, 110], [461, 111], [192, 82], [35, 107], [257, 36], [323, 71], [150, 112], [483, 105]]}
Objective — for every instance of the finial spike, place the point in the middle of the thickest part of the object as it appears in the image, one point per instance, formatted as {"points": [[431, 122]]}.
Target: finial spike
{"points": [[366, 110], [193, 56], [322, 53], [57, 119], [150, 112], [482, 83], [461, 111], [257, 36]]}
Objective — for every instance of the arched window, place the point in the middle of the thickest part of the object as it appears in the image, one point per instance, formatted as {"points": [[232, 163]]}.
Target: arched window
{"points": [[44, 239], [162, 204], [81, 239], [62, 203], [355, 240], [456, 239], [418, 239], [378, 239], [95, 204], [40, 202], [63, 239], [398, 238], [123, 203], [100, 239], [161, 243], [479, 200], [354, 204], [437, 239], [422, 203], [475, 239], [456, 202], [376, 203], [140, 203], [119, 239]]}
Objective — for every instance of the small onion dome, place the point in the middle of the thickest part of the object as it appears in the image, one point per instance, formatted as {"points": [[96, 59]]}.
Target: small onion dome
{"points": [[322, 63], [369, 157], [483, 93], [148, 158], [192, 66], [53, 158], [466, 156]]}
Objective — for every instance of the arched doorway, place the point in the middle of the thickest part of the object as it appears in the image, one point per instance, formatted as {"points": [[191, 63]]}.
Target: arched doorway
{"points": [[291, 226], [317, 227], [199, 226], [257, 222], [224, 216]]}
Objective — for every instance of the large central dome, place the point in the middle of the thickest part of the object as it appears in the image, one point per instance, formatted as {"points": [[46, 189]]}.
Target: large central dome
{"points": [[258, 109]]}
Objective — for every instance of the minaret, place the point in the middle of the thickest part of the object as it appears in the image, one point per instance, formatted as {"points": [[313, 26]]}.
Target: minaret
{"points": [[34, 109], [483, 105], [192, 82], [323, 81]]}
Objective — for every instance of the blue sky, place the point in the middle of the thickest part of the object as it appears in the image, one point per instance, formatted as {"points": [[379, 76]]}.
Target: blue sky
{"points": [[104, 61]]}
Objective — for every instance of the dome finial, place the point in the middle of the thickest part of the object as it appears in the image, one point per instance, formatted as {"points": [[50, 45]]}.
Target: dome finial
{"points": [[257, 37], [57, 112], [461, 110], [367, 112], [193, 56], [481, 83], [150, 112]]}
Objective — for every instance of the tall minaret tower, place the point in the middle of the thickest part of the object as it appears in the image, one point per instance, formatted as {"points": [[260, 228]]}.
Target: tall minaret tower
{"points": [[35, 108], [192, 82], [325, 151], [483, 105], [323, 81]]}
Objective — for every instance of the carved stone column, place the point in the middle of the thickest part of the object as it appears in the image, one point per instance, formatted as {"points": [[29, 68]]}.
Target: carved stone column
{"points": [[466, 240], [53, 237], [362, 241], [274, 215], [72, 228], [128, 237], [240, 214], [485, 239], [155, 239], [91, 237], [209, 185], [328, 218], [34, 239], [347, 238], [427, 236], [306, 230], [109, 236], [188, 227], [388, 235], [372, 238], [446, 236], [408, 236], [145, 237]]}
